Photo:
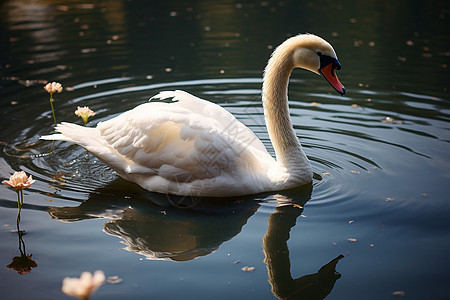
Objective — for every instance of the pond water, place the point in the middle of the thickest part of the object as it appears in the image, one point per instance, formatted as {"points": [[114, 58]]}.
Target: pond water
{"points": [[380, 154]]}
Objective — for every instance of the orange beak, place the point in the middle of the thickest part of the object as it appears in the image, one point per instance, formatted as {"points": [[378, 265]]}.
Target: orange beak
{"points": [[330, 75]]}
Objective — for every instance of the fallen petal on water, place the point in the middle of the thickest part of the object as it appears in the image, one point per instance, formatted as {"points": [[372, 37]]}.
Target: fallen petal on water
{"points": [[391, 120], [114, 280], [398, 293]]}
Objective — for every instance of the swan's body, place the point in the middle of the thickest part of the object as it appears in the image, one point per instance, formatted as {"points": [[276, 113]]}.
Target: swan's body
{"points": [[193, 147]]}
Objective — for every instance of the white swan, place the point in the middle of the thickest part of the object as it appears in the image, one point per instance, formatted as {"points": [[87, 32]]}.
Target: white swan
{"points": [[192, 147]]}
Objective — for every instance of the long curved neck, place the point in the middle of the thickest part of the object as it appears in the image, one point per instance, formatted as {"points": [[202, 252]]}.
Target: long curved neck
{"points": [[288, 150]]}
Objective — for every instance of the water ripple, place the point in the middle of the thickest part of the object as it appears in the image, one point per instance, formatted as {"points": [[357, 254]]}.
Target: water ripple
{"points": [[156, 86], [335, 136]]}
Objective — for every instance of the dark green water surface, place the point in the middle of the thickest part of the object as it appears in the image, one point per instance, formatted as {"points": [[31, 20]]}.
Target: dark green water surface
{"points": [[380, 154]]}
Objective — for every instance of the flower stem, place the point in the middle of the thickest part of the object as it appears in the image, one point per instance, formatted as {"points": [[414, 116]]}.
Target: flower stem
{"points": [[19, 206], [51, 104], [54, 118]]}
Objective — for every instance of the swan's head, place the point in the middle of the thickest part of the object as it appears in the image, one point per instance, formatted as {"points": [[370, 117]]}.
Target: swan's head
{"points": [[313, 53]]}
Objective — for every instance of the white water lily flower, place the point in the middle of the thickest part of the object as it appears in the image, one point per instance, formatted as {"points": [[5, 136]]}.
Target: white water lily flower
{"points": [[84, 286], [53, 87], [19, 181], [84, 113]]}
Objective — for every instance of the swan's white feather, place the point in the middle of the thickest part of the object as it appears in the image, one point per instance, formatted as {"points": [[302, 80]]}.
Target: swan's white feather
{"points": [[188, 147]]}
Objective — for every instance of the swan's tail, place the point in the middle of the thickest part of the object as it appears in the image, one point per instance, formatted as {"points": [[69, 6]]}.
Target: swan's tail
{"points": [[90, 139], [83, 136]]}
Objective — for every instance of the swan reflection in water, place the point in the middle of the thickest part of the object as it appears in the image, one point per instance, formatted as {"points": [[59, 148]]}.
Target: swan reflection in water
{"points": [[166, 232], [313, 286]]}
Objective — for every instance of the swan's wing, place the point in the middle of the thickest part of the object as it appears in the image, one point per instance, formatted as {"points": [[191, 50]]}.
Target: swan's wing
{"points": [[227, 122], [185, 140]]}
